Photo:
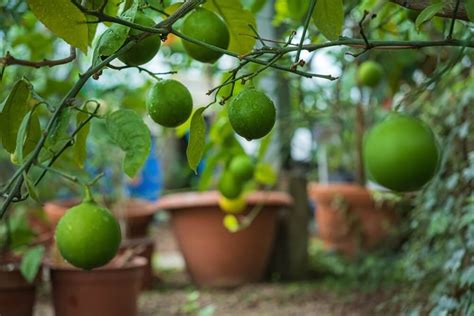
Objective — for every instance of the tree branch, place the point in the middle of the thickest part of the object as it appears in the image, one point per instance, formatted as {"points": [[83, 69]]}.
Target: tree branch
{"points": [[10, 60], [447, 12]]}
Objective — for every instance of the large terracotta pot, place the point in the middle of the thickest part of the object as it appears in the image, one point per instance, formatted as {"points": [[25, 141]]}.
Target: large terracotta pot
{"points": [[214, 256], [137, 213], [111, 290], [348, 218], [143, 247], [17, 296]]}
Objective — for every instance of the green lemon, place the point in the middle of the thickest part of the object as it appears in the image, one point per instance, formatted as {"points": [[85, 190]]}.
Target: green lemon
{"points": [[205, 26], [88, 236], [370, 73], [232, 206], [401, 153], [242, 167], [169, 103], [252, 114], [143, 51], [229, 186]]}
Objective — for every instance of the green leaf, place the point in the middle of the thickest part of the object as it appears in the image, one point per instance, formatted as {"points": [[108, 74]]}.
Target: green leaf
{"points": [[28, 136], [197, 139], [64, 19], [32, 190], [328, 16], [427, 14], [79, 148], [114, 37], [31, 262], [265, 174], [298, 8], [231, 223], [127, 129], [12, 111], [237, 20], [253, 5], [469, 5], [58, 136]]}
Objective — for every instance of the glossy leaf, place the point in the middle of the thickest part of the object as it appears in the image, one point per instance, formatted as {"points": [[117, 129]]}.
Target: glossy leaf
{"points": [[32, 190], [197, 139], [12, 112], [427, 14], [114, 37], [237, 20], [328, 16], [79, 148], [28, 136], [127, 129], [64, 19]]}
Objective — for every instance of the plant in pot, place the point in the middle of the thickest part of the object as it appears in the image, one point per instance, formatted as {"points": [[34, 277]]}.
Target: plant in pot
{"points": [[21, 253], [226, 235], [135, 215], [350, 217]]}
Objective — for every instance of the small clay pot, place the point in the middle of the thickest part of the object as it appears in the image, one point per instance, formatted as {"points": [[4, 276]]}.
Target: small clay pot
{"points": [[348, 219], [110, 290], [214, 256], [17, 296]]}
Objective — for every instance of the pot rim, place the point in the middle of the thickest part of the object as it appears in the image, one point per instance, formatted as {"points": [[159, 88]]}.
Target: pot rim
{"points": [[136, 262], [185, 200], [317, 189]]}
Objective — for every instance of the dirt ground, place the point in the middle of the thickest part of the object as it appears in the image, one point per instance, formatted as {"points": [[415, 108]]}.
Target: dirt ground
{"points": [[174, 295]]}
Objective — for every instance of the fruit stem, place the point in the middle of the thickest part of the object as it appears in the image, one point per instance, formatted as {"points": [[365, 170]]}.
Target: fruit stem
{"points": [[88, 197]]}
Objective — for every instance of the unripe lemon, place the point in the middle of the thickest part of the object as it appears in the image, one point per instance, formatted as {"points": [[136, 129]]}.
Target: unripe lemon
{"points": [[401, 153], [232, 206], [88, 236], [169, 103], [144, 50], [208, 27], [252, 114], [229, 186], [242, 167], [369, 73]]}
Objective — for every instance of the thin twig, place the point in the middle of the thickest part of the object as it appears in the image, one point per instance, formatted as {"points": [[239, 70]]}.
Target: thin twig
{"points": [[305, 29], [10, 60], [453, 21]]}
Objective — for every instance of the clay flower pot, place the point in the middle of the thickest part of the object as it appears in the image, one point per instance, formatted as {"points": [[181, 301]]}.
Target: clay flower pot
{"points": [[17, 296], [348, 219], [214, 256], [110, 290]]}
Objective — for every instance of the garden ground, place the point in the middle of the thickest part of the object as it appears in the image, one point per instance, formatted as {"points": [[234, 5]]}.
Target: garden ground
{"points": [[173, 294]]}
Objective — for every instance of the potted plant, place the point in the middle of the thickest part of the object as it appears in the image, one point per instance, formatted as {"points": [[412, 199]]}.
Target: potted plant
{"points": [[349, 218], [226, 235], [21, 252]]}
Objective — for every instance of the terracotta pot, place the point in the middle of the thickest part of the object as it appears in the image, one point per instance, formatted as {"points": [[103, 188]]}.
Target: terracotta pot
{"points": [[137, 213], [214, 256], [143, 247], [17, 296], [348, 219], [110, 290]]}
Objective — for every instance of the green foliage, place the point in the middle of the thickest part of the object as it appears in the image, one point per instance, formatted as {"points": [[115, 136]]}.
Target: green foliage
{"points": [[197, 139], [55, 14], [428, 13], [31, 262], [127, 129], [328, 16], [237, 20]]}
